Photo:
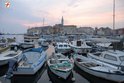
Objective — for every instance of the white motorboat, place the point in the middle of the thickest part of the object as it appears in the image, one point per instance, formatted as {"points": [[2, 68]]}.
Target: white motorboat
{"points": [[43, 42], [97, 69], [62, 47], [60, 65], [12, 52], [115, 58], [26, 45], [80, 46]]}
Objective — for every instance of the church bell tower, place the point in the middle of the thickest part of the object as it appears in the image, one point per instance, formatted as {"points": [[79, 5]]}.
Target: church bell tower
{"points": [[62, 21]]}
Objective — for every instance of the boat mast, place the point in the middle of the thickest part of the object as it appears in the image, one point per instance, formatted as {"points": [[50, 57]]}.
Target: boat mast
{"points": [[43, 21], [113, 16]]}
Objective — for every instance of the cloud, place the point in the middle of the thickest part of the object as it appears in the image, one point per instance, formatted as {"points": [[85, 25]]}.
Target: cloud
{"points": [[73, 3], [24, 13]]}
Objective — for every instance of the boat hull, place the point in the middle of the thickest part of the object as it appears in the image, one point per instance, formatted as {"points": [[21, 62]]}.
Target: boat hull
{"points": [[62, 74], [81, 50], [5, 60], [105, 75], [60, 65], [30, 70], [63, 50]]}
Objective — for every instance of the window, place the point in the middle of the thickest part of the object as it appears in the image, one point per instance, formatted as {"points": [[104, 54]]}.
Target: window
{"points": [[78, 43], [121, 58], [60, 46], [109, 57], [65, 45]]}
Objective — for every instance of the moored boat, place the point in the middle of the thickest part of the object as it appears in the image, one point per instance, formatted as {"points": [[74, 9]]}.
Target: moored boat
{"points": [[115, 58], [43, 42], [60, 65], [62, 47], [11, 52], [31, 62], [26, 45], [97, 69], [80, 46]]}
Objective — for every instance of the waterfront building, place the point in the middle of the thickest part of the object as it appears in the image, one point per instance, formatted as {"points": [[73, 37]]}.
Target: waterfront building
{"points": [[103, 31], [86, 30], [39, 30], [119, 31]]}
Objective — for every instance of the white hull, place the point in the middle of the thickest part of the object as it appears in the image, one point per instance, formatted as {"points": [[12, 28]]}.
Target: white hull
{"points": [[62, 50], [81, 50], [110, 57], [4, 59], [60, 65], [106, 75], [61, 74], [80, 46]]}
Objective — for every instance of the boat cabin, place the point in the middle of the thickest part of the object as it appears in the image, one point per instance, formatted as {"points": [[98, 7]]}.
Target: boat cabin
{"points": [[79, 44], [62, 46], [111, 56]]}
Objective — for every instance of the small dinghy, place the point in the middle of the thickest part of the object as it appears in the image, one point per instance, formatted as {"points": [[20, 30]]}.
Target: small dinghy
{"points": [[13, 51], [60, 65]]}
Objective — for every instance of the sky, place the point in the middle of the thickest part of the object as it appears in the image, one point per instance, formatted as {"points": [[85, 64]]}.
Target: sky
{"points": [[24, 14]]}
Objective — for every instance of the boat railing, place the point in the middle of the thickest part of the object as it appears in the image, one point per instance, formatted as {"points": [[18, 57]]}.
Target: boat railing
{"points": [[121, 67]]}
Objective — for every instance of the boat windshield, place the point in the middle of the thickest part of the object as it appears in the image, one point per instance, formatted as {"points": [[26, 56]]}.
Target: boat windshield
{"points": [[65, 45], [109, 57], [121, 58], [60, 46]]}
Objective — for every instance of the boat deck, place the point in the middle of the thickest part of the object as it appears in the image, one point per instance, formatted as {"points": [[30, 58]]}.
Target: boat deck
{"points": [[29, 59]]}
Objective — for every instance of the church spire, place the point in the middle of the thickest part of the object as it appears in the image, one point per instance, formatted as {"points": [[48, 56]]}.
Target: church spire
{"points": [[62, 21]]}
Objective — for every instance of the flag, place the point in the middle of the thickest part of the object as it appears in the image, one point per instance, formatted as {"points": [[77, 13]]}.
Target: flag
{"points": [[7, 4]]}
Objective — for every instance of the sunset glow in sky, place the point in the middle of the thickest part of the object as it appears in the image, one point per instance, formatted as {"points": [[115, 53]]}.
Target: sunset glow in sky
{"points": [[23, 14]]}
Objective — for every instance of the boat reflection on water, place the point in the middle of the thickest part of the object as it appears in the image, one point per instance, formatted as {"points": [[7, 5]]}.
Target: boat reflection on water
{"points": [[89, 77], [28, 78], [55, 79]]}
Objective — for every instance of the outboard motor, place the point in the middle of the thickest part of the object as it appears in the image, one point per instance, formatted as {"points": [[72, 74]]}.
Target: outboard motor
{"points": [[12, 67], [14, 47], [122, 68]]}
